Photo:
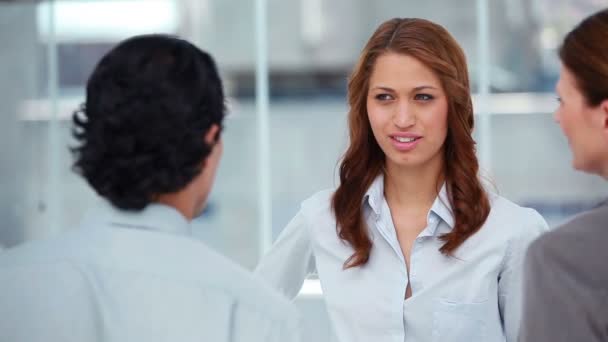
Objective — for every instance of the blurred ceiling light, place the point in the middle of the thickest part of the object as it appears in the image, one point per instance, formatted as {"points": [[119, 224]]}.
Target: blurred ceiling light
{"points": [[549, 38], [106, 20], [312, 22]]}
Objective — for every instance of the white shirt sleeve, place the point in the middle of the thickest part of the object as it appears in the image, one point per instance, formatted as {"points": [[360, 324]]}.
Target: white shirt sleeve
{"points": [[290, 259], [510, 283]]}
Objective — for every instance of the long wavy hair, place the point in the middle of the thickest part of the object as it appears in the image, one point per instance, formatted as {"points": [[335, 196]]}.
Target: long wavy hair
{"points": [[364, 160]]}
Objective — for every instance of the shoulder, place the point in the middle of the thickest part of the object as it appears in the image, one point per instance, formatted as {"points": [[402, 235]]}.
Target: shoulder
{"points": [[251, 294], [581, 241], [514, 219], [44, 250], [320, 200], [510, 212], [185, 259], [318, 206], [589, 223], [175, 260]]}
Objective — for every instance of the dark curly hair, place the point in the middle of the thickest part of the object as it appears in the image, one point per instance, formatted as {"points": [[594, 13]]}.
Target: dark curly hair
{"points": [[140, 133]]}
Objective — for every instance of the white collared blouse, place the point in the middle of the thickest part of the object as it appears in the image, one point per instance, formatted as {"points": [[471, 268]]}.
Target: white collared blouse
{"points": [[473, 296]]}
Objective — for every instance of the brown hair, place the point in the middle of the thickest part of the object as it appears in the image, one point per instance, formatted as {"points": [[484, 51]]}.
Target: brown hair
{"points": [[364, 160], [585, 54]]}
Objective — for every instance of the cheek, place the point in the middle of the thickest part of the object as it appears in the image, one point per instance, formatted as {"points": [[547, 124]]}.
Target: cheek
{"points": [[565, 120], [557, 115], [443, 125], [437, 123], [375, 117]]}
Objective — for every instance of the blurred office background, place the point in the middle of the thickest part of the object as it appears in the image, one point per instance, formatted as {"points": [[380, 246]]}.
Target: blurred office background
{"points": [[285, 65]]}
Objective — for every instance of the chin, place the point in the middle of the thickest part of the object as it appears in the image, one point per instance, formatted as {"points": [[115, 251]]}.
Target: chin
{"points": [[584, 167], [408, 161]]}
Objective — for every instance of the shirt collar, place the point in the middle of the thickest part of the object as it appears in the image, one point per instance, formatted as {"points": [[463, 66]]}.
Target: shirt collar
{"points": [[441, 206], [154, 217], [375, 194]]}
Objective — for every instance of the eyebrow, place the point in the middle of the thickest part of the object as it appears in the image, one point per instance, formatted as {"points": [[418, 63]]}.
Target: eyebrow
{"points": [[413, 90]]}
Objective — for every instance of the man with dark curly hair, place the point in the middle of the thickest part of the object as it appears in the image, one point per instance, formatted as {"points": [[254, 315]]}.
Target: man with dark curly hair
{"points": [[149, 143]]}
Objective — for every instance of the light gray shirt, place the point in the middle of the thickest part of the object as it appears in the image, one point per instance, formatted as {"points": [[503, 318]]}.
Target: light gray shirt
{"points": [[566, 282], [472, 296], [124, 276]]}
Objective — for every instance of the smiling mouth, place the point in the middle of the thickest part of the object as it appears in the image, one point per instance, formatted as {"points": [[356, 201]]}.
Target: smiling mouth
{"points": [[405, 140]]}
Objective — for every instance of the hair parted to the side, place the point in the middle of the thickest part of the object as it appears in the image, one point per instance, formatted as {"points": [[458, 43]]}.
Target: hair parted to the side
{"points": [[140, 133], [585, 54], [363, 161]]}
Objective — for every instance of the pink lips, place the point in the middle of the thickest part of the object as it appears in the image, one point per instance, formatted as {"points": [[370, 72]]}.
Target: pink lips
{"points": [[405, 146]]}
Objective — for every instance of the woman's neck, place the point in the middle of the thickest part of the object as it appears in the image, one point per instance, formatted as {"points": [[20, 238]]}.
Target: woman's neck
{"points": [[413, 187]]}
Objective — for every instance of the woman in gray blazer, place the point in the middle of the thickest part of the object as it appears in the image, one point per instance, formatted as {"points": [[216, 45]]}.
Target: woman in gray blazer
{"points": [[566, 272]]}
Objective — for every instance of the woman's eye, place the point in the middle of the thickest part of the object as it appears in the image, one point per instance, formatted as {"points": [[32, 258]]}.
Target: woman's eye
{"points": [[423, 97], [384, 97]]}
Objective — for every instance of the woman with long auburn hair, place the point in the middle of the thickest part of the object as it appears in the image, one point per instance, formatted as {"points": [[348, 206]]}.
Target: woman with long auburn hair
{"points": [[409, 246]]}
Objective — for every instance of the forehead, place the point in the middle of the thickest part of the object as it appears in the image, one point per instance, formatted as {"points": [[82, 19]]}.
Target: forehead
{"points": [[394, 69]]}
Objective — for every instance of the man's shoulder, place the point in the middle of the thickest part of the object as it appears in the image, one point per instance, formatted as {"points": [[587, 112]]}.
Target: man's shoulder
{"points": [[170, 258], [250, 293], [186, 259], [41, 250], [115, 259], [215, 274]]}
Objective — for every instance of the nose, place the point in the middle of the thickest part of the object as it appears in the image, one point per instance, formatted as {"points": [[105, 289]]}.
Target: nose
{"points": [[404, 116], [556, 116]]}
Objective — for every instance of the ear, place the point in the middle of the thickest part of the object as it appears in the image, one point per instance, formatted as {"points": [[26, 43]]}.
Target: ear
{"points": [[211, 135], [603, 117], [210, 139]]}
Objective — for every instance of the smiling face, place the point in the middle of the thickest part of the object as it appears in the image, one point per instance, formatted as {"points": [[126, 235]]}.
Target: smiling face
{"points": [[407, 110]]}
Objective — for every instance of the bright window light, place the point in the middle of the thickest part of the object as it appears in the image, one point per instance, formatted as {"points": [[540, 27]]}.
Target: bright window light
{"points": [[106, 20]]}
